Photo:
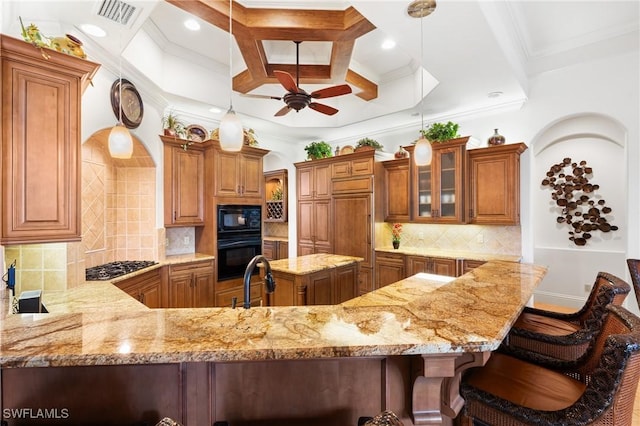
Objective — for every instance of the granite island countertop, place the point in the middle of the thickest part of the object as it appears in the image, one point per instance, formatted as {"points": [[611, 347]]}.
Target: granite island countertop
{"points": [[310, 263], [412, 316]]}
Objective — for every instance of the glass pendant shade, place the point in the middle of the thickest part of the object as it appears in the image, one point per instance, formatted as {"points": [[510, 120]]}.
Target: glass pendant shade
{"points": [[231, 132], [422, 152], [120, 142]]}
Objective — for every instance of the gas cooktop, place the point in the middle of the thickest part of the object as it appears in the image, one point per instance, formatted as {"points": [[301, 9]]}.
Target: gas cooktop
{"points": [[115, 269]]}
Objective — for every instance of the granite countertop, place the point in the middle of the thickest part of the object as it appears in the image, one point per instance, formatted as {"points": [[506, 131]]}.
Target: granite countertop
{"points": [[450, 254], [412, 316], [311, 263], [269, 238]]}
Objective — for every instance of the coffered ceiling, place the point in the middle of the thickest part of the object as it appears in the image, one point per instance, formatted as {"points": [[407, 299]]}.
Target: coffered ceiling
{"points": [[468, 57]]}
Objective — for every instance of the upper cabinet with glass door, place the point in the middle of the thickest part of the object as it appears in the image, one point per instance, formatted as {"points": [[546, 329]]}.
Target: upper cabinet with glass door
{"points": [[438, 188]]}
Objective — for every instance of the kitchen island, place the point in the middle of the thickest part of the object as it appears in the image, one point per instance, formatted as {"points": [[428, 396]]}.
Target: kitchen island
{"points": [[314, 279], [402, 347]]}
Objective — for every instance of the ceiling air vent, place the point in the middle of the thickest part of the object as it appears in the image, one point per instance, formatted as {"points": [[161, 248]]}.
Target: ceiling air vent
{"points": [[110, 9]]}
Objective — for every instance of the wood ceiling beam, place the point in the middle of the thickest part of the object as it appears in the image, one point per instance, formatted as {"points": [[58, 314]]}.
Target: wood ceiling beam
{"points": [[251, 26]]}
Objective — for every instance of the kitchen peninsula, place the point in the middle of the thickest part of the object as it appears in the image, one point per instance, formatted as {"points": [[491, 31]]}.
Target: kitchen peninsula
{"points": [[400, 348]]}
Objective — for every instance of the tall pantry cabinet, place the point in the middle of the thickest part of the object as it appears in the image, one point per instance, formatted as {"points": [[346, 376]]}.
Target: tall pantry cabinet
{"points": [[336, 209], [41, 106]]}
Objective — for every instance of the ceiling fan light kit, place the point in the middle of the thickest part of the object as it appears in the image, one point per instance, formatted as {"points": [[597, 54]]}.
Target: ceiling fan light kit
{"points": [[296, 98]]}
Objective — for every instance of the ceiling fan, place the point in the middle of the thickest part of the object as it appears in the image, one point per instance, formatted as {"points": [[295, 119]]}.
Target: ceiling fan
{"points": [[296, 98]]}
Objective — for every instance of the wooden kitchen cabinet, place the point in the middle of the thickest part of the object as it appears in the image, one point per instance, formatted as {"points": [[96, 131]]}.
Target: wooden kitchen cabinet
{"points": [[275, 249], [438, 189], [431, 265], [314, 230], [390, 268], [183, 183], [191, 285], [494, 185], [355, 164], [397, 190], [238, 174], [466, 265], [147, 288], [276, 195], [41, 130], [313, 180]]}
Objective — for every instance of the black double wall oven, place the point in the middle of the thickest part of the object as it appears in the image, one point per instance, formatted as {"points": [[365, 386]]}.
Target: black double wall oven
{"points": [[239, 238]]}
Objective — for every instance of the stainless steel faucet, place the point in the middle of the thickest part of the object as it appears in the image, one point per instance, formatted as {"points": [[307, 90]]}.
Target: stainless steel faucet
{"points": [[269, 282]]}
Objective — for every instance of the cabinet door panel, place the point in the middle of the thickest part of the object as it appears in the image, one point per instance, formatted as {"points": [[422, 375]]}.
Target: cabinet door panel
{"points": [[352, 227], [203, 289], [443, 267], [180, 291], [417, 264], [322, 234], [397, 190], [346, 286], [320, 291], [227, 174], [306, 222], [187, 187], [322, 181], [251, 176]]}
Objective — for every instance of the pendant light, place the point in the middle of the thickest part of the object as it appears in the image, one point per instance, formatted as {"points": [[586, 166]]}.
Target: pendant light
{"points": [[120, 142], [422, 151], [231, 133]]}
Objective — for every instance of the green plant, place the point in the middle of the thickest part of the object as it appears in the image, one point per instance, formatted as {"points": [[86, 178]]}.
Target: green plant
{"points": [[173, 125], [320, 149], [276, 194], [440, 132], [369, 142]]}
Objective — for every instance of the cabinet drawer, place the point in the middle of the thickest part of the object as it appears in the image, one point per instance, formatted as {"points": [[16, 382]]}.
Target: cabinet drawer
{"points": [[344, 186], [191, 266], [390, 257]]}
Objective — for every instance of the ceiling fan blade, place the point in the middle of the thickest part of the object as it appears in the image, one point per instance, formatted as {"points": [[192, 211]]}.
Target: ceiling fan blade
{"points": [[282, 111], [329, 92], [286, 80], [325, 109], [250, 95]]}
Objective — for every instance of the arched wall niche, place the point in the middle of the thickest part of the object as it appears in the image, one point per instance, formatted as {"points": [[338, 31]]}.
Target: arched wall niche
{"points": [[601, 142]]}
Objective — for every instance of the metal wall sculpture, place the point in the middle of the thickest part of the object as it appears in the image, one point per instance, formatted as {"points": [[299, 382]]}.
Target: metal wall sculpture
{"points": [[581, 208]]}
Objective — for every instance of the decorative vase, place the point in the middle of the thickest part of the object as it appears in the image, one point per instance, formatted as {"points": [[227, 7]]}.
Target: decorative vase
{"points": [[496, 138], [401, 153], [396, 244], [69, 45]]}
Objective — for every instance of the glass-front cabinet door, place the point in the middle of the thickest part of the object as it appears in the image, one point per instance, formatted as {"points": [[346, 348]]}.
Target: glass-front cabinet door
{"points": [[438, 188]]}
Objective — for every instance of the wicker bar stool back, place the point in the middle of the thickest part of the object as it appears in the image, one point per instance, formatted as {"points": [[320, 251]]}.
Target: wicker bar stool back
{"points": [[634, 270], [599, 390], [567, 336]]}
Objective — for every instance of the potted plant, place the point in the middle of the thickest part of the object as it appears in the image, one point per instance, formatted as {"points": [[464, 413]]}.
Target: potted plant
{"points": [[441, 132], [316, 150], [368, 143], [173, 126], [396, 231]]}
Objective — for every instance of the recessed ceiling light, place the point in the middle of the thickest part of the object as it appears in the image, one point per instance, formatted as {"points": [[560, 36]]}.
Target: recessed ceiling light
{"points": [[495, 94], [215, 110], [388, 44], [93, 30], [192, 24]]}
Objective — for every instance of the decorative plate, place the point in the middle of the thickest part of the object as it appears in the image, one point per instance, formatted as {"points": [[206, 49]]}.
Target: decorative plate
{"points": [[131, 109], [197, 133], [347, 149]]}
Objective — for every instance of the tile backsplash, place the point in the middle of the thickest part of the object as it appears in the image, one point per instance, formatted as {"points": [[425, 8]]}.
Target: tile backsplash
{"points": [[477, 238]]}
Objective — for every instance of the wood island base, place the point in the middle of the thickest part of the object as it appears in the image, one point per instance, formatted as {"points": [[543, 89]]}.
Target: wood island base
{"points": [[332, 391]]}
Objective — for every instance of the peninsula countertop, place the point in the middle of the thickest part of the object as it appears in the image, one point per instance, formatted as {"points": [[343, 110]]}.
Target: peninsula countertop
{"points": [[412, 316]]}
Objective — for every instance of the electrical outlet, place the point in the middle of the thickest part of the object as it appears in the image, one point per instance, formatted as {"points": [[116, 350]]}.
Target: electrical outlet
{"points": [[587, 288], [186, 240], [421, 235], [480, 239], [166, 242]]}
